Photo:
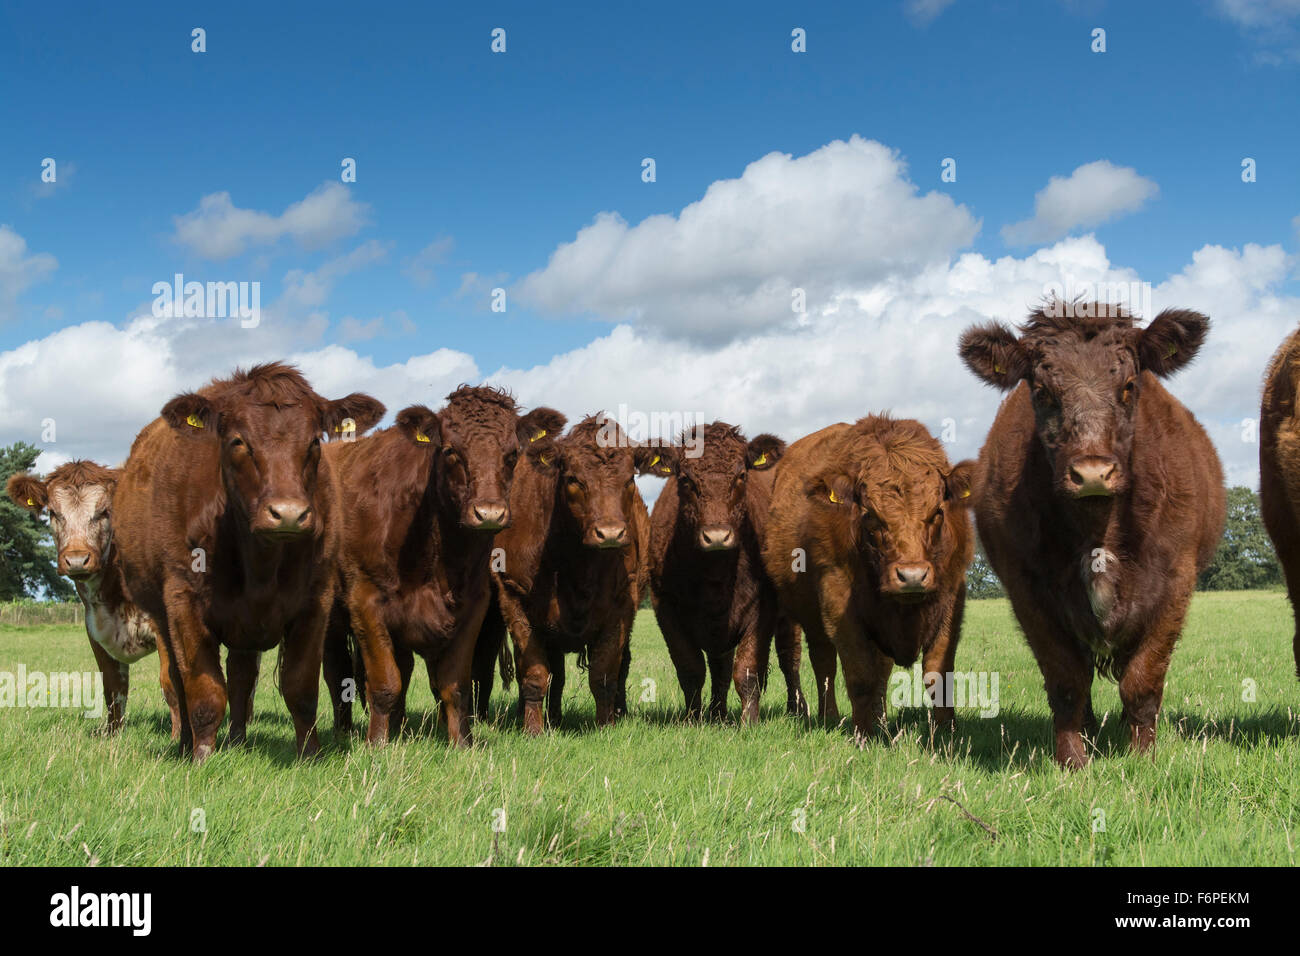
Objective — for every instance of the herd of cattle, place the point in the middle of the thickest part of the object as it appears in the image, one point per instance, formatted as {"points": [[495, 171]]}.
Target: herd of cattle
{"points": [[1097, 496]]}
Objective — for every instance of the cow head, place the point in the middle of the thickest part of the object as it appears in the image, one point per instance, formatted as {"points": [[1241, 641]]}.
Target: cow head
{"points": [[596, 465], [478, 438], [268, 424], [1083, 363], [711, 487], [896, 494], [79, 499]]}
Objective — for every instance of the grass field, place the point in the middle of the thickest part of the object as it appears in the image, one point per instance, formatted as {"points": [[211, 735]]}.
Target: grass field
{"points": [[1224, 787]]}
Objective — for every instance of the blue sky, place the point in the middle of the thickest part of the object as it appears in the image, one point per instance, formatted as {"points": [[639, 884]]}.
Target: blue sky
{"points": [[497, 160]]}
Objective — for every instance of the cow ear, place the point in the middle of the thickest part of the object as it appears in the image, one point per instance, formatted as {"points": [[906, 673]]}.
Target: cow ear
{"points": [[354, 414], [763, 452], [27, 492], [831, 488], [645, 458], [664, 462], [993, 353], [957, 483], [540, 427], [190, 412], [421, 425], [1172, 340]]}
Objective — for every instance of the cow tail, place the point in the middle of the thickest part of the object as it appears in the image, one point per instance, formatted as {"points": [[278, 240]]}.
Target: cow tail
{"points": [[358, 669], [506, 663]]}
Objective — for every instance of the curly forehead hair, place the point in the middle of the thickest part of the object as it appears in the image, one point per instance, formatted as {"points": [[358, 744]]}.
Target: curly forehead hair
{"points": [[1086, 319], [79, 474]]}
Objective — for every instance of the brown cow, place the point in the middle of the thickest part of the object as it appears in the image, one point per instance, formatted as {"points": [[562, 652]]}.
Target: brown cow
{"points": [[79, 499], [1099, 498], [227, 521], [868, 541], [1279, 468], [425, 498], [574, 570], [712, 597]]}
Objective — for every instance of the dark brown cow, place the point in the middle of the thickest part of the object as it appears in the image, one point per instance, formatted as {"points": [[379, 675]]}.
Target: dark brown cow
{"points": [[868, 541], [425, 498], [712, 597], [1279, 468], [1099, 498], [78, 497], [227, 522], [574, 570]]}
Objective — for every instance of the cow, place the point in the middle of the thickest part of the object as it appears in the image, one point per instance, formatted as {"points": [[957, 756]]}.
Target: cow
{"points": [[574, 570], [868, 541], [712, 597], [78, 497], [425, 499], [1099, 499], [228, 527], [1279, 468]]}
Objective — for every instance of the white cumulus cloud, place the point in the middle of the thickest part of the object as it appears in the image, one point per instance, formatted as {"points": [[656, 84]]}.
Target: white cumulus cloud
{"points": [[218, 229], [841, 217], [1093, 194]]}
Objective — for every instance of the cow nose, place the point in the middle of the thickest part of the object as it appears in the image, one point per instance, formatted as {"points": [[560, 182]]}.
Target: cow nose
{"points": [[610, 535], [913, 577], [1093, 475], [489, 515], [288, 516], [76, 562], [718, 538]]}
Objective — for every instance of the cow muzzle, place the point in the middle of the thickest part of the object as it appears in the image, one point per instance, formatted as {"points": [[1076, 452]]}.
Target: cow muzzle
{"points": [[909, 581], [78, 564], [1092, 476], [717, 538], [607, 535], [285, 518], [488, 516]]}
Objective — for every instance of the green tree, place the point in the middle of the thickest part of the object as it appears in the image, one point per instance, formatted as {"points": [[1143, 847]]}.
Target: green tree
{"points": [[1245, 558], [981, 582], [27, 552]]}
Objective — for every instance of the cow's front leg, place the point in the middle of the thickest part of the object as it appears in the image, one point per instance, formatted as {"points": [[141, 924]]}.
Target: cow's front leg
{"points": [[866, 674], [749, 672], [300, 666], [450, 680], [605, 668], [1142, 682], [196, 658], [116, 677], [168, 689], [241, 679]]}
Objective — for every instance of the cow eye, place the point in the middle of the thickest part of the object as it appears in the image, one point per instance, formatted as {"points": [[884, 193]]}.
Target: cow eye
{"points": [[237, 442], [1126, 393], [450, 455], [101, 516], [1043, 396], [511, 458]]}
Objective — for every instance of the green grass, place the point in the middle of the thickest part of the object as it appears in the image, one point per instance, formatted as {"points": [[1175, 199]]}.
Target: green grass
{"points": [[1224, 787]]}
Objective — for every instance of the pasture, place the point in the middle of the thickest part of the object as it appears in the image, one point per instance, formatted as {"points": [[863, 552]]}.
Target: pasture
{"points": [[1224, 787]]}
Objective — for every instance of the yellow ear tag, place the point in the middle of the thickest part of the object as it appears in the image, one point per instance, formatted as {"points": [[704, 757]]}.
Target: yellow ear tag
{"points": [[30, 503], [833, 498], [655, 461], [1173, 350], [421, 436], [194, 421], [541, 433], [544, 459], [760, 460], [998, 368], [665, 470], [966, 493]]}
